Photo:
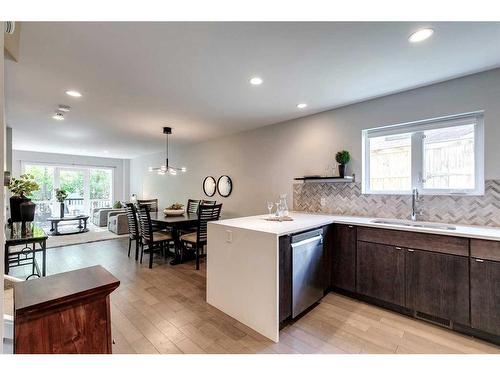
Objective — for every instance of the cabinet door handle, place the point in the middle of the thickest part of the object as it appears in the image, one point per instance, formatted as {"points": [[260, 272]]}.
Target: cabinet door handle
{"points": [[398, 248], [411, 250], [350, 226], [479, 260]]}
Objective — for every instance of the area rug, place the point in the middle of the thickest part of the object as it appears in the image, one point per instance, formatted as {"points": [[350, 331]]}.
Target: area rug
{"points": [[94, 234]]}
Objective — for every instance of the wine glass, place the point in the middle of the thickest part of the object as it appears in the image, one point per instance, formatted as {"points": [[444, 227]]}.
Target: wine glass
{"points": [[279, 210], [270, 207]]}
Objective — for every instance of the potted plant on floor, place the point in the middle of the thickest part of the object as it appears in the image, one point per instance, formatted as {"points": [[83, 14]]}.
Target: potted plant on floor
{"points": [[21, 207], [61, 196], [342, 157]]}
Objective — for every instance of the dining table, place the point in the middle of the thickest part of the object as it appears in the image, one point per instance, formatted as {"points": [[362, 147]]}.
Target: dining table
{"points": [[176, 224]]}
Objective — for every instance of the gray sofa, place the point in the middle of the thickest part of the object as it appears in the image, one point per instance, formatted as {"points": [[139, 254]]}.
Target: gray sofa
{"points": [[118, 222], [100, 216]]}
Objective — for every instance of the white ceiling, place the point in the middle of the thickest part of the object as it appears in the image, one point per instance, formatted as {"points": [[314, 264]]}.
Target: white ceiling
{"points": [[137, 77]]}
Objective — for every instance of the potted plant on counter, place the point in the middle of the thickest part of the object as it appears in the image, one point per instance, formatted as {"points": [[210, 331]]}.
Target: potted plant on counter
{"points": [[61, 196], [342, 157], [21, 207]]}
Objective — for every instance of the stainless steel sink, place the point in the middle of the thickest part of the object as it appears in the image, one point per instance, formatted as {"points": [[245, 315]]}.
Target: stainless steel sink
{"points": [[415, 224]]}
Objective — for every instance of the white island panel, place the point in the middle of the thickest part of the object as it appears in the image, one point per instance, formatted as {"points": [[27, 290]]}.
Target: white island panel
{"points": [[242, 276]]}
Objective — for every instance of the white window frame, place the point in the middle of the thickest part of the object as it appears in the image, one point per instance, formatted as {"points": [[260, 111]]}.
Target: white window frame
{"points": [[86, 168], [416, 128]]}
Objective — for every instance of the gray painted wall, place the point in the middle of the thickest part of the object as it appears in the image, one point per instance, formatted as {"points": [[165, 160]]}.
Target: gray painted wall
{"points": [[263, 162]]}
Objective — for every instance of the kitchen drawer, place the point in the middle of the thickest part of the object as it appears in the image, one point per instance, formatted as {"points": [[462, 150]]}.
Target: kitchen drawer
{"points": [[485, 249], [415, 240]]}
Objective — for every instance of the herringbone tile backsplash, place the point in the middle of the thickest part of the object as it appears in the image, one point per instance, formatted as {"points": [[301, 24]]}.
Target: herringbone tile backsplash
{"points": [[346, 199]]}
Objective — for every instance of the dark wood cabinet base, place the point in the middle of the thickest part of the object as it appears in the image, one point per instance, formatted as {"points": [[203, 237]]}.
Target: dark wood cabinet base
{"points": [[66, 313]]}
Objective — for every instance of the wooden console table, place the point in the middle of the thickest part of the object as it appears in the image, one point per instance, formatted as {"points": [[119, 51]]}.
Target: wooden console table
{"points": [[29, 235], [67, 313]]}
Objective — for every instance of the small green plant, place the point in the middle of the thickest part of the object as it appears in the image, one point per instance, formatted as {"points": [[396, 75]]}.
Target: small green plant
{"points": [[117, 204], [343, 157], [61, 195], [23, 186]]}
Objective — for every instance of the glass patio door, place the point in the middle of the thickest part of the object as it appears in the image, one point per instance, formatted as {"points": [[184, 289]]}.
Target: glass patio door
{"points": [[75, 182], [88, 188]]}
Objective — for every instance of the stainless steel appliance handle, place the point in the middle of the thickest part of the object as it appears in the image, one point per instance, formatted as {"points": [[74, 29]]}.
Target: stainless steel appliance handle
{"points": [[303, 242]]}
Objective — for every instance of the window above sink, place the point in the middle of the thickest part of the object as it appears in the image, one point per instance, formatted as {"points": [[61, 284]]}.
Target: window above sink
{"points": [[443, 156]]}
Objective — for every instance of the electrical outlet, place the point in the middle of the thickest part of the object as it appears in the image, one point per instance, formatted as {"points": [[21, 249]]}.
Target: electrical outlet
{"points": [[323, 201]]}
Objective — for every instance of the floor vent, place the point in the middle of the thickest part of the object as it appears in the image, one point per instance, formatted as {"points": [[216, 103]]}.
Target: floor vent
{"points": [[433, 319]]}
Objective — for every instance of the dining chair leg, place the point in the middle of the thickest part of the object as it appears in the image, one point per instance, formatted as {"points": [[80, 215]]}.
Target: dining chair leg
{"points": [[197, 257], [136, 249], [142, 252], [151, 253], [129, 246]]}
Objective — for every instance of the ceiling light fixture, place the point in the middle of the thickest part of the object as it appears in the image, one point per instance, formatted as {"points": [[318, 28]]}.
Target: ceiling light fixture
{"points": [[73, 93], [167, 168], [301, 105], [256, 81], [58, 116], [63, 108], [420, 35]]}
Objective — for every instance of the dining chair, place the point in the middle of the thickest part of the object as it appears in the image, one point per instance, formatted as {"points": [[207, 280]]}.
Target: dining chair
{"points": [[155, 241], [205, 202], [152, 203], [133, 229], [196, 241], [192, 206]]}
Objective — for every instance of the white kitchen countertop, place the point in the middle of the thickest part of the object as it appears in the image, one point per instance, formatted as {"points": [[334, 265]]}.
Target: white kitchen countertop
{"points": [[304, 221]]}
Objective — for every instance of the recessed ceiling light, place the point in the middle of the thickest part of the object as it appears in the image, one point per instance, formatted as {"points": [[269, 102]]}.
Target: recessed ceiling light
{"points": [[63, 108], [58, 116], [420, 35], [73, 93], [301, 105], [256, 81], [105, 151]]}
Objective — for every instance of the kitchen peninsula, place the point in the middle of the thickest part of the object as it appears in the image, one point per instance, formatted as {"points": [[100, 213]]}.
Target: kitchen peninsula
{"points": [[249, 268]]}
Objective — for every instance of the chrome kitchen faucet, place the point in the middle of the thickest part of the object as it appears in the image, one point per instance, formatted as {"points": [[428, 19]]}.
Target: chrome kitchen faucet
{"points": [[415, 198]]}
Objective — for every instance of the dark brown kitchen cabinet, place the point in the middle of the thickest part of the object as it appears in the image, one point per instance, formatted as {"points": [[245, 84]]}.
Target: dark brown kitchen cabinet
{"points": [[381, 272], [343, 274], [285, 278], [485, 295], [438, 285]]}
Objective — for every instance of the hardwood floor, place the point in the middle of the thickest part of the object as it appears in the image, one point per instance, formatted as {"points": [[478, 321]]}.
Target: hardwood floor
{"points": [[163, 310]]}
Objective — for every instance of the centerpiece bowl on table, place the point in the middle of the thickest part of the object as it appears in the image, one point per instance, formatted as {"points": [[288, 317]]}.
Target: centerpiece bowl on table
{"points": [[176, 209]]}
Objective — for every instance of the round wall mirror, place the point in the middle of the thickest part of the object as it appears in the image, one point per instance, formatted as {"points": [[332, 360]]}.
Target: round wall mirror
{"points": [[209, 186], [224, 186]]}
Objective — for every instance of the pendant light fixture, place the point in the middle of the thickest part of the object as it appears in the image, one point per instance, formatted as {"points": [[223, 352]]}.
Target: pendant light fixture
{"points": [[167, 168]]}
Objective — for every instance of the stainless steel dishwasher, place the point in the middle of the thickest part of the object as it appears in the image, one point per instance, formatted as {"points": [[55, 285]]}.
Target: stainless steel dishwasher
{"points": [[307, 270]]}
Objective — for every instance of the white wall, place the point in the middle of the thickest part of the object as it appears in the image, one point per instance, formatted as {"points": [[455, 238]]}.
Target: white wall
{"points": [[120, 166], [263, 162]]}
